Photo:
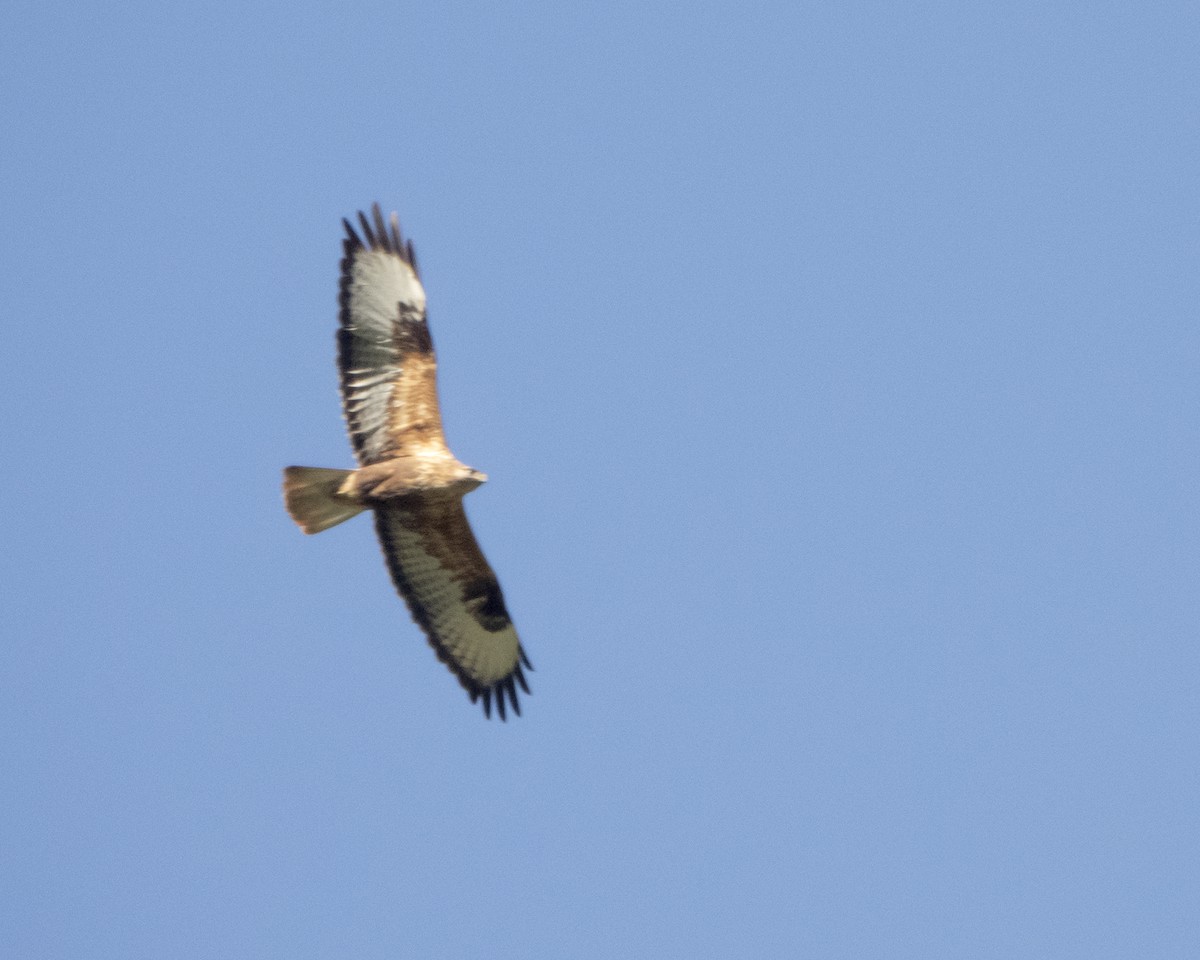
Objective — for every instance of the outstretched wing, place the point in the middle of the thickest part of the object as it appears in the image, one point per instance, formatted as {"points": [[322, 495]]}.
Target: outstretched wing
{"points": [[454, 596], [385, 354]]}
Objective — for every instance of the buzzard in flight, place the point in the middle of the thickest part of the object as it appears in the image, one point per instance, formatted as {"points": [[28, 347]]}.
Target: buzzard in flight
{"points": [[407, 475]]}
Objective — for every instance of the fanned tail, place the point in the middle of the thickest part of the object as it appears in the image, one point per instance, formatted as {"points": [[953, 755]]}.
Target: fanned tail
{"points": [[311, 497]]}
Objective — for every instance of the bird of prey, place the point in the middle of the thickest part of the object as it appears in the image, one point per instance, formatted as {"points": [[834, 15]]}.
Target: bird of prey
{"points": [[407, 475]]}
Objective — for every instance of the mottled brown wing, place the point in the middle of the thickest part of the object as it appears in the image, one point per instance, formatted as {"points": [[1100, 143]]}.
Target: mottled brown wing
{"points": [[454, 596], [385, 354]]}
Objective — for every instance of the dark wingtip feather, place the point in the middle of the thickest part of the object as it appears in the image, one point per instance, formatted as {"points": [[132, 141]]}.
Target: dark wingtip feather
{"points": [[381, 230], [524, 659], [520, 676], [379, 234], [366, 229], [503, 693]]}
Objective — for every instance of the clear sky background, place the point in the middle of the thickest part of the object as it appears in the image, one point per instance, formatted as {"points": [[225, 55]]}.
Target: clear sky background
{"points": [[835, 366]]}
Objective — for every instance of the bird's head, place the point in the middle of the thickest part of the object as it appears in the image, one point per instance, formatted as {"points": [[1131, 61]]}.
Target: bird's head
{"points": [[472, 478]]}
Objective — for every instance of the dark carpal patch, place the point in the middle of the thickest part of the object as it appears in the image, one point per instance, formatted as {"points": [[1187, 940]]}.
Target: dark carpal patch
{"points": [[411, 332], [486, 603]]}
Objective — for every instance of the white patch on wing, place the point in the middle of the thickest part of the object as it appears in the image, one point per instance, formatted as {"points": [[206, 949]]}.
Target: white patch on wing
{"points": [[379, 280]]}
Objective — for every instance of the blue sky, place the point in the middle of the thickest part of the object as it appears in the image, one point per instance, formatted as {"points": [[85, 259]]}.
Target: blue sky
{"points": [[835, 367]]}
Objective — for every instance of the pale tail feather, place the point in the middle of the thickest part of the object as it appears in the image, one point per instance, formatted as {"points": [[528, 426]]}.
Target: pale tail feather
{"points": [[310, 495]]}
